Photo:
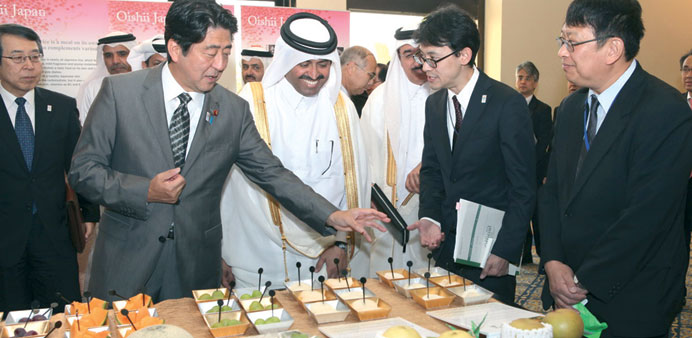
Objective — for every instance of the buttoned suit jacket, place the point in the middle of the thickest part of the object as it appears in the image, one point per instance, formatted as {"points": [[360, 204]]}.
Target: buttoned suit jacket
{"points": [[543, 131], [619, 224], [125, 143], [56, 133], [493, 164]]}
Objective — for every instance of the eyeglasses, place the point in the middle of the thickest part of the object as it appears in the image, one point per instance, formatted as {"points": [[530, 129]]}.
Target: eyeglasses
{"points": [[571, 44], [686, 70], [19, 59], [430, 61], [370, 74]]}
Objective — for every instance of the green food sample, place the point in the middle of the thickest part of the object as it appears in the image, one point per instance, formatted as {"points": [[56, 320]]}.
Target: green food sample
{"points": [[256, 306], [225, 322], [272, 320], [245, 296], [259, 322], [215, 308], [299, 335], [218, 294], [205, 296], [226, 308], [256, 294], [276, 306]]}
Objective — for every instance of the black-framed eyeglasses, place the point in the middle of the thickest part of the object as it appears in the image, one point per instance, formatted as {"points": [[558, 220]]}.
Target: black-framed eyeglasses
{"points": [[686, 70], [430, 61], [19, 59], [571, 44], [370, 74]]}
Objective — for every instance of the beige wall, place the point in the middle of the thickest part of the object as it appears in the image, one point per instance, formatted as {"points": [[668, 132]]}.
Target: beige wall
{"points": [[334, 5], [528, 29]]}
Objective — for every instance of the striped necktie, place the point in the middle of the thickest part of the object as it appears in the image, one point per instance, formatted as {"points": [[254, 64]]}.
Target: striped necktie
{"points": [[179, 130]]}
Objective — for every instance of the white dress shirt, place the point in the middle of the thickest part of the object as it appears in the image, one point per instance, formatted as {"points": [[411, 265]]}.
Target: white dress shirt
{"points": [[11, 106], [606, 98], [463, 97], [171, 90]]}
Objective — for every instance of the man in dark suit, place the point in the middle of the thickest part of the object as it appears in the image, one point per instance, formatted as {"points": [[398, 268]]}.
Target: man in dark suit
{"points": [[527, 81], [478, 146], [613, 204], [38, 131], [156, 149]]}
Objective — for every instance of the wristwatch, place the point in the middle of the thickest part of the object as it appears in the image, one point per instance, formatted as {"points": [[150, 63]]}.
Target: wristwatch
{"points": [[340, 244]]}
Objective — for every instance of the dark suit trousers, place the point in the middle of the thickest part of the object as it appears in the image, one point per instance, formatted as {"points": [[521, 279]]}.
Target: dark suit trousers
{"points": [[41, 271]]}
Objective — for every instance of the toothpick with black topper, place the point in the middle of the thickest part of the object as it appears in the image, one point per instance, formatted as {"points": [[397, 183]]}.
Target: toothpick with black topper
{"points": [[362, 281], [34, 310], [259, 284], [312, 278], [390, 260], [126, 313], [298, 265], [464, 280], [336, 263], [79, 327], [449, 277], [429, 259], [114, 293], [220, 304], [230, 293], [409, 264], [87, 296], [271, 300], [345, 273], [321, 279], [57, 325], [144, 296], [60, 296], [53, 305], [427, 283], [266, 286]]}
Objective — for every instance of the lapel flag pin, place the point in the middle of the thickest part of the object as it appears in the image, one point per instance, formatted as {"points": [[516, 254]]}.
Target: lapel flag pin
{"points": [[49, 108], [484, 98]]}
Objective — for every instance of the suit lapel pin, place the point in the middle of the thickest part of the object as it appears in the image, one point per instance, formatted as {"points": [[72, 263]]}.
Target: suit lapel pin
{"points": [[49, 108], [484, 98], [211, 115]]}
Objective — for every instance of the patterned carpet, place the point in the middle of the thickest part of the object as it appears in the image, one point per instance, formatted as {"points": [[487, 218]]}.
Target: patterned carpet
{"points": [[530, 284]]}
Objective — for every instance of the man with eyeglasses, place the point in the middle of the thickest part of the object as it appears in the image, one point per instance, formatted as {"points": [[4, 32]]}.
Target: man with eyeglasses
{"points": [[478, 146], [613, 205], [392, 123], [38, 131], [312, 127], [357, 70]]}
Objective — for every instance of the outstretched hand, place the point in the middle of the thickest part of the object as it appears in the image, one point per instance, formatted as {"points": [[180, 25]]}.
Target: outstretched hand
{"points": [[357, 220]]}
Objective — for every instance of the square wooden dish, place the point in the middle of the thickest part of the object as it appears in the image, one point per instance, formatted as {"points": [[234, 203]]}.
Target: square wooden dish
{"points": [[445, 297]]}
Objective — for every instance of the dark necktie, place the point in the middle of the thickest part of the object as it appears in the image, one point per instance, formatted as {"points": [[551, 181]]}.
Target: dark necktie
{"points": [[25, 132], [590, 130], [457, 123], [179, 130]]}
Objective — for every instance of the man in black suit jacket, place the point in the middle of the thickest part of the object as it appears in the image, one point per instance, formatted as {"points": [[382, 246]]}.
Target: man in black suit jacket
{"points": [[37, 258], [527, 76], [613, 204], [478, 146]]}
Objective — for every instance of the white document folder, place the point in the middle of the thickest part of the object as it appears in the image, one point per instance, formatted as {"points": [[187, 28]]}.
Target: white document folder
{"points": [[477, 229]]}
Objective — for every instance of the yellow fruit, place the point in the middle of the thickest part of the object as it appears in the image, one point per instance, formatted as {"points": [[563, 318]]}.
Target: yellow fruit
{"points": [[566, 323], [401, 332], [456, 334], [526, 324]]}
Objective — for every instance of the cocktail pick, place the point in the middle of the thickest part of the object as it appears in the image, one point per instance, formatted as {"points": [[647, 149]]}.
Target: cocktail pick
{"points": [[126, 313], [409, 264], [266, 286], [449, 277], [113, 293], [362, 281], [52, 306], [59, 295], [429, 259], [76, 311], [34, 310], [220, 304], [336, 262], [230, 292], [144, 296], [298, 267], [464, 280], [271, 299], [312, 278], [321, 279], [391, 266], [87, 295], [427, 283], [57, 325], [259, 284], [345, 273]]}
